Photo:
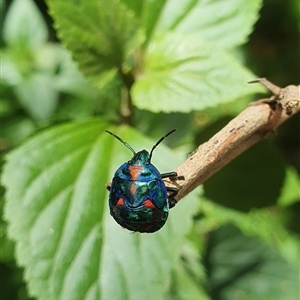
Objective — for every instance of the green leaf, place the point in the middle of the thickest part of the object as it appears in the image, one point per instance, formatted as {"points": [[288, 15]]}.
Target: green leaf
{"points": [[150, 14], [100, 34], [57, 61], [68, 79], [189, 275], [216, 21], [7, 246], [184, 287], [57, 209], [24, 25], [10, 72], [38, 95], [290, 192], [240, 268], [265, 224], [16, 129], [182, 73], [37, 82]]}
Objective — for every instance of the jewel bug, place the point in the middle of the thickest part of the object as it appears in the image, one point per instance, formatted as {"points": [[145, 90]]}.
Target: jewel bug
{"points": [[138, 198]]}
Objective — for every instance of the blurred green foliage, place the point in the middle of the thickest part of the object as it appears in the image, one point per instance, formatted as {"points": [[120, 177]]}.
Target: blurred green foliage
{"points": [[142, 68]]}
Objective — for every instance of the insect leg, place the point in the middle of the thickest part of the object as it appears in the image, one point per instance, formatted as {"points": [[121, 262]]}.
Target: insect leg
{"points": [[172, 202], [173, 192], [171, 175]]}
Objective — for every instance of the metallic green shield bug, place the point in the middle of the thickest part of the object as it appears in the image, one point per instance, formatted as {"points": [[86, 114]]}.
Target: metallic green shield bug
{"points": [[138, 198]]}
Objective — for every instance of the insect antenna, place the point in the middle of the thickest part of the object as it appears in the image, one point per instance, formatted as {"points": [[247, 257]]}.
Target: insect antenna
{"points": [[159, 141], [124, 143]]}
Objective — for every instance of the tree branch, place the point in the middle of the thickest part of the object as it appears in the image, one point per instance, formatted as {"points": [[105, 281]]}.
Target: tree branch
{"points": [[249, 127]]}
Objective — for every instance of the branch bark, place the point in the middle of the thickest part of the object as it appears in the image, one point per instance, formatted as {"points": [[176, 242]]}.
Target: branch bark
{"points": [[249, 127]]}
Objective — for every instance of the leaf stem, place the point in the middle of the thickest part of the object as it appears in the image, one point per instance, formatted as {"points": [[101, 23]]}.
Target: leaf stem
{"points": [[126, 107]]}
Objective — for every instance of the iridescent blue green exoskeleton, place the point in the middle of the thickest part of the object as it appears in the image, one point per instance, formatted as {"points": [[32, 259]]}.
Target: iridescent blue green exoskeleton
{"points": [[138, 198]]}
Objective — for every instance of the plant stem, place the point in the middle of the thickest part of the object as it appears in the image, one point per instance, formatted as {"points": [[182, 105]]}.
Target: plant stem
{"points": [[249, 127], [126, 107]]}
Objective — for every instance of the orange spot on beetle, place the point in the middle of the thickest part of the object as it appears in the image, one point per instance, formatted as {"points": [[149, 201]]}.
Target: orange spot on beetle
{"points": [[120, 202], [149, 203], [135, 172], [132, 189]]}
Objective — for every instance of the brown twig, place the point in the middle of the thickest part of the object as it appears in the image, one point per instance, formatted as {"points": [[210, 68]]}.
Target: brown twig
{"points": [[248, 128]]}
